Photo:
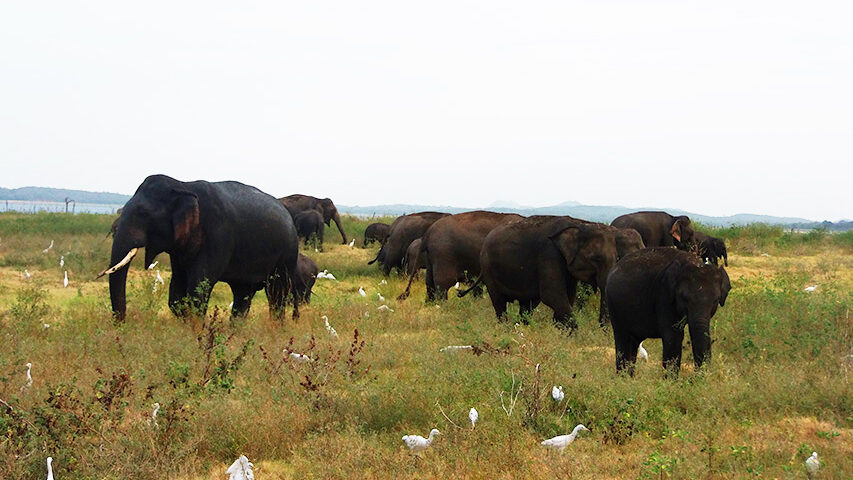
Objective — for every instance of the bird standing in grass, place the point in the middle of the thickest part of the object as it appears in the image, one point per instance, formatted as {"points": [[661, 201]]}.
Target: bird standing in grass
{"points": [[29, 377], [241, 469], [49, 468], [811, 288], [352, 243], [561, 442], [381, 298], [642, 353], [557, 393], [362, 292], [473, 416], [332, 332], [417, 443], [65, 280], [153, 419], [812, 465], [48, 247], [61, 261]]}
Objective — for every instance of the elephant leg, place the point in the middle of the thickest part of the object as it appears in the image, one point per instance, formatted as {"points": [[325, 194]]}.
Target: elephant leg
{"points": [[277, 290], [672, 342], [243, 294], [626, 352], [430, 283], [178, 291], [443, 277], [555, 294], [525, 308], [499, 304], [603, 313], [198, 291]]}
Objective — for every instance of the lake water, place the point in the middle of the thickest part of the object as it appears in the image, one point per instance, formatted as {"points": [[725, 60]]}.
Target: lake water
{"points": [[34, 207]]}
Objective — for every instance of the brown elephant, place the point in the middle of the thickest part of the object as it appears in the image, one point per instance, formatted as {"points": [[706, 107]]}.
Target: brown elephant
{"points": [[297, 203], [376, 232], [404, 230], [416, 260], [309, 225], [541, 258], [659, 229], [306, 275], [452, 245], [711, 249]]}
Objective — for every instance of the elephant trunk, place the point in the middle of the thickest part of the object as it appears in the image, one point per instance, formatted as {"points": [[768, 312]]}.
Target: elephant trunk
{"points": [[700, 338], [337, 219], [124, 247]]}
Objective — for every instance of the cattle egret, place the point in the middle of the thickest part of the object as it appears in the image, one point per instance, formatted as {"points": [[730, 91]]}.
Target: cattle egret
{"points": [[241, 469], [557, 393], [45, 326], [158, 280], [65, 280], [352, 243], [153, 419], [383, 282], [417, 443], [325, 274], [361, 292], [811, 288], [561, 442], [456, 286], [316, 251], [473, 416], [61, 261], [151, 267], [300, 358], [812, 465], [29, 377], [381, 298], [27, 274], [453, 348], [385, 308], [329, 328], [231, 305], [642, 353], [48, 247], [49, 468]]}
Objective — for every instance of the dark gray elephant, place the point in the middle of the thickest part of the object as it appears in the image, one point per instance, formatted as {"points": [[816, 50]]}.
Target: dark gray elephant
{"points": [[376, 232], [416, 259], [306, 275], [402, 233], [297, 203], [651, 292], [711, 249], [452, 244], [541, 258], [659, 229], [222, 231], [309, 225]]}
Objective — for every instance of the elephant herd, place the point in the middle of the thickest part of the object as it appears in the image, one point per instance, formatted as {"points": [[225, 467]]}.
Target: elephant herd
{"points": [[234, 233]]}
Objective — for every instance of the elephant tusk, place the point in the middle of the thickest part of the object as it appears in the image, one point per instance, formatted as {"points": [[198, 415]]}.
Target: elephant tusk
{"points": [[127, 258]]}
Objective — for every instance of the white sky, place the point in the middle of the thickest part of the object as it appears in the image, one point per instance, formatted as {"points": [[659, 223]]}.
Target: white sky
{"points": [[713, 107]]}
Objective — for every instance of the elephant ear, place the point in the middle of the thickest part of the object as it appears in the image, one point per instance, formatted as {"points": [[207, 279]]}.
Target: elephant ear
{"points": [[185, 220], [567, 238], [675, 231]]}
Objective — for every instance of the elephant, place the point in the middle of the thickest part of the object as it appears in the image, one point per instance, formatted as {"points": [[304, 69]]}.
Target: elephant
{"points": [[452, 244], [710, 248], [221, 231], [299, 203], [306, 275], [402, 232], [376, 232], [650, 293], [309, 225], [541, 258], [416, 259], [659, 229]]}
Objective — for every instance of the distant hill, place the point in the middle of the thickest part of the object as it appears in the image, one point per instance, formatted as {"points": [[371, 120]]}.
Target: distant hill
{"points": [[597, 213], [41, 194]]}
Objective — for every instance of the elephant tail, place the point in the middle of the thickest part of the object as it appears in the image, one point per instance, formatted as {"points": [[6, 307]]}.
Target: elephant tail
{"points": [[462, 293], [375, 258]]}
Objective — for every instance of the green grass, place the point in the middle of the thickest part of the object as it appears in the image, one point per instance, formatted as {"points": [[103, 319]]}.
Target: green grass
{"points": [[778, 386]]}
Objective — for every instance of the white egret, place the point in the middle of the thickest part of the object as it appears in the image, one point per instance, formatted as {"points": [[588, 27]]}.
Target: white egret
{"points": [[557, 393], [383, 282], [332, 332], [27, 274], [456, 286], [61, 261], [29, 377], [65, 280], [473, 416], [48, 247], [231, 305], [381, 298], [300, 358], [153, 419], [45, 326], [563, 441], [811, 288], [812, 465], [352, 243], [49, 468], [158, 280], [642, 353], [453, 348], [241, 469], [385, 308], [151, 267], [362, 292], [417, 443]]}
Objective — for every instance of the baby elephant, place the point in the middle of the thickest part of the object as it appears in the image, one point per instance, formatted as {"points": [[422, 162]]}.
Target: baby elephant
{"points": [[650, 293], [306, 275], [711, 248], [376, 232], [309, 225]]}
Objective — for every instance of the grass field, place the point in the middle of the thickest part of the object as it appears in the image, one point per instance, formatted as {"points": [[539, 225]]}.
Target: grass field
{"points": [[778, 388]]}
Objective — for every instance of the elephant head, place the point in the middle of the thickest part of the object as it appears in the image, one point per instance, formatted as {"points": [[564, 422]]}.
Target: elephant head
{"points": [[628, 240], [588, 249], [161, 217], [327, 207], [682, 231], [698, 289]]}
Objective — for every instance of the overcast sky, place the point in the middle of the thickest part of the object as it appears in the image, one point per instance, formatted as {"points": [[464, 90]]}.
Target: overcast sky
{"points": [[712, 107]]}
